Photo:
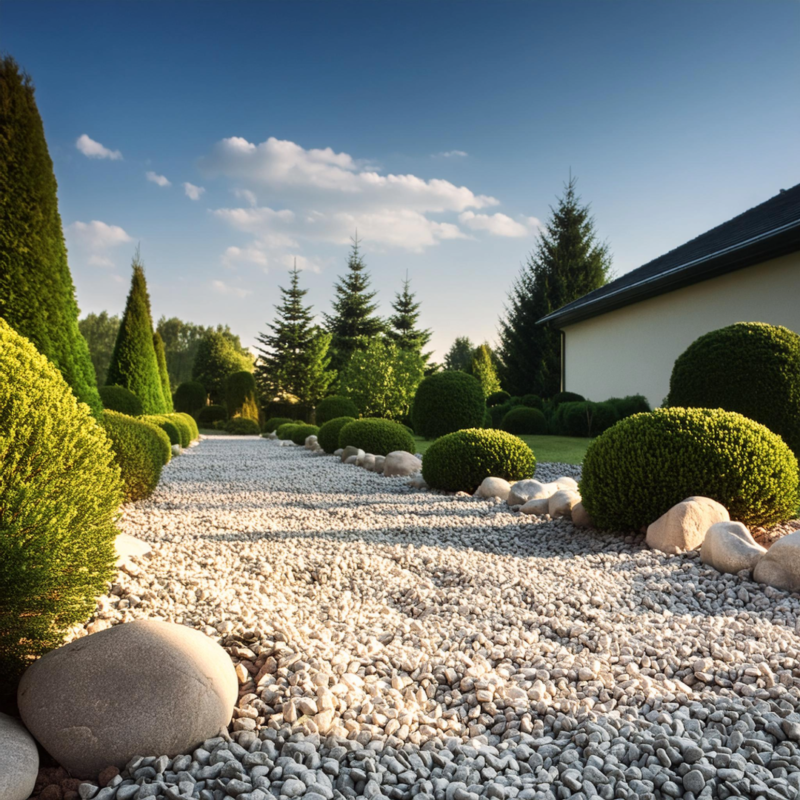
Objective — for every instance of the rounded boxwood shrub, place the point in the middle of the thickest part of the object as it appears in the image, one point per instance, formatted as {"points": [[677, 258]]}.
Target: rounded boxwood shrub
{"points": [[584, 419], [458, 462], [751, 368], [59, 493], [533, 401], [377, 436], [166, 425], [630, 404], [497, 398], [301, 432], [190, 421], [645, 464], [138, 451], [525, 420], [565, 397], [243, 426], [184, 430], [334, 407], [273, 424], [118, 398], [189, 397], [446, 402], [163, 441], [328, 436], [208, 415], [285, 431]]}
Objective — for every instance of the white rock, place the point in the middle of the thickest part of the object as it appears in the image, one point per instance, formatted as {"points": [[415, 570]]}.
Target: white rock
{"points": [[380, 462], [353, 460], [530, 489], [729, 547], [780, 565], [127, 546], [565, 482], [539, 506], [684, 526], [494, 487], [417, 481], [562, 503], [580, 516], [369, 462], [352, 451], [19, 760], [338, 452], [400, 463], [176, 450], [310, 441], [272, 435]]}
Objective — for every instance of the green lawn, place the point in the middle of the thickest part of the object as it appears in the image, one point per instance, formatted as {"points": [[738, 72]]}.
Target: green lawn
{"points": [[566, 449]]}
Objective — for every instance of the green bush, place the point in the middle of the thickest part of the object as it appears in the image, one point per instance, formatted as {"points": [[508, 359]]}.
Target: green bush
{"points": [[161, 360], [377, 436], [645, 464], [565, 397], [138, 450], [585, 419], [220, 425], [446, 402], [189, 397], [301, 432], [243, 426], [294, 411], [118, 398], [460, 461], [333, 407], [240, 395], [215, 359], [524, 420], [328, 436], [184, 429], [487, 419], [285, 431], [167, 425], [191, 422], [629, 405], [163, 441], [208, 415], [533, 401], [497, 398], [59, 494], [751, 368], [273, 424]]}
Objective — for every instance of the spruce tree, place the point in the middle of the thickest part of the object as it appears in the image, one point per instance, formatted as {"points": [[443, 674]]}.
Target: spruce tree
{"points": [[295, 357], [37, 296], [134, 364], [403, 330], [567, 262], [353, 322], [459, 356], [482, 368], [161, 360]]}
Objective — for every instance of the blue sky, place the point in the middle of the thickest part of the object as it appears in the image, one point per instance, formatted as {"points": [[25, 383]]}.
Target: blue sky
{"points": [[442, 130]]}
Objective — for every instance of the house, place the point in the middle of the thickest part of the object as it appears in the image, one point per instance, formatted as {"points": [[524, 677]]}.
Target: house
{"points": [[624, 338]]}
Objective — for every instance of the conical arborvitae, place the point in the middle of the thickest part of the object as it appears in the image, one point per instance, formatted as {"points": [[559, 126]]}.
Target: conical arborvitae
{"points": [[134, 364], [37, 296], [161, 358]]}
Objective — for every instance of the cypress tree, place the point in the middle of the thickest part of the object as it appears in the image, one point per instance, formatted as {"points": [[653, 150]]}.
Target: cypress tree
{"points": [[567, 262], [37, 296], [353, 322], [403, 330], [483, 369], [161, 360], [134, 364]]}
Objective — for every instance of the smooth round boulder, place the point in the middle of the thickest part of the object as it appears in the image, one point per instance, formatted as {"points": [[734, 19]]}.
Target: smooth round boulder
{"points": [[530, 489], [684, 526], [143, 687], [176, 450], [562, 503], [369, 462], [580, 516], [780, 565], [19, 760], [399, 463], [494, 487], [380, 462], [729, 547]]}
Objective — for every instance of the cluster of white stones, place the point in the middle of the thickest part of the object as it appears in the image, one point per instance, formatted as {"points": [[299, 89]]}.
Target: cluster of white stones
{"points": [[396, 643]]}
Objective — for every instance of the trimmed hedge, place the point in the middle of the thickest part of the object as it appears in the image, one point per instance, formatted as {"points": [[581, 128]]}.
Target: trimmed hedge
{"points": [[163, 441], [328, 436], [533, 401], [240, 395], [118, 398], [243, 426], [285, 431], [565, 397], [446, 402], [301, 432], [645, 464], [273, 424], [189, 397], [630, 404], [191, 422], [334, 407], [208, 415], [165, 424], [497, 398], [585, 419], [138, 451], [751, 368], [377, 436], [458, 462], [59, 494], [184, 430], [525, 420]]}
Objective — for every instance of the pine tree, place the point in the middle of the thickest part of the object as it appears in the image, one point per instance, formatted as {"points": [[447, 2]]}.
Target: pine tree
{"points": [[134, 364], [353, 322], [161, 359], [482, 368], [459, 356], [567, 262], [403, 329], [37, 296], [294, 358]]}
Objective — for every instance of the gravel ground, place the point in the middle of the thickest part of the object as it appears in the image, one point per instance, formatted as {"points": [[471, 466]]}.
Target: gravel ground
{"points": [[396, 643]]}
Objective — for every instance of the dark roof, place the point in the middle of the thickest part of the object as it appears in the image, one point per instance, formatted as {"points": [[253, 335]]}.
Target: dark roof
{"points": [[767, 231]]}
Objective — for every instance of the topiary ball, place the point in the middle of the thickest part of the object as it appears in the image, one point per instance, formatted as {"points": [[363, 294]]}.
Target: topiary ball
{"points": [[163, 441], [523, 420], [377, 436], [334, 407], [328, 436], [302, 432], [118, 398], [191, 423], [446, 402], [208, 415], [284, 431], [533, 401], [184, 430], [167, 425], [189, 397], [497, 398], [751, 368], [273, 424], [645, 464], [565, 397], [243, 426], [458, 462], [59, 494]]}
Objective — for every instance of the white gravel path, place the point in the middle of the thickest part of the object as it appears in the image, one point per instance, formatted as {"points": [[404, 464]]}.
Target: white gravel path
{"points": [[456, 648]]}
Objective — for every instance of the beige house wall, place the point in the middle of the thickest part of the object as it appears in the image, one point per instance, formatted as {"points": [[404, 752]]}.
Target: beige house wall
{"points": [[632, 350]]}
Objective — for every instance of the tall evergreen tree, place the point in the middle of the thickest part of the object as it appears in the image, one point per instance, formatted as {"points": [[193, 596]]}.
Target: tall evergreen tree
{"points": [[482, 368], [216, 358], [403, 330], [294, 358], [459, 356], [161, 360], [567, 262], [37, 296], [100, 331], [134, 364], [353, 321]]}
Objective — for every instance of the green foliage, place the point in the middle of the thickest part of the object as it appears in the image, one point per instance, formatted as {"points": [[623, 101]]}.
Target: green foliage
{"points": [[275, 422], [645, 464], [190, 422], [59, 493], [164, 442], [377, 436], [302, 432], [100, 332], [629, 405], [161, 360], [525, 420], [243, 426], [482, 368], [458, 462], [240, 395], [37, 296], [328, 436], [381, 379], [567, 263], [139, 452], [583, 419], [285, 431], [117, 398], [134, 364], [459, 356], [169, 427], [752, 368], [190, 397], [185, 431], [335, 406], [497, 398], [215, 360], [533, 401], [446, 402], [565, 397], [487, 419], [403, 330], [297, 412], [208, 415]]}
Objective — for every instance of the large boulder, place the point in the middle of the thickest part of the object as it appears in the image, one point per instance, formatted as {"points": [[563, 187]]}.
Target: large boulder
{"points": [[539, 506], [136, 688], [780, 565], [494, 487], [380, 462], [729, 547], [684, 526], [580, 516], [19, 760], [562, 503], [350, 451], [310, 442], [400, 463], [530, 489], [369, 462], [566, 483]]}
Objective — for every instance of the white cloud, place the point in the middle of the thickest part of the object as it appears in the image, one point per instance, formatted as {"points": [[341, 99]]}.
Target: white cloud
{"points": [[303, 263], [496, 224], [234, 291], [453, 154], [92, 149], [251, 255], [246, 195], [160, 180], [193, 192], [94, 240]]}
